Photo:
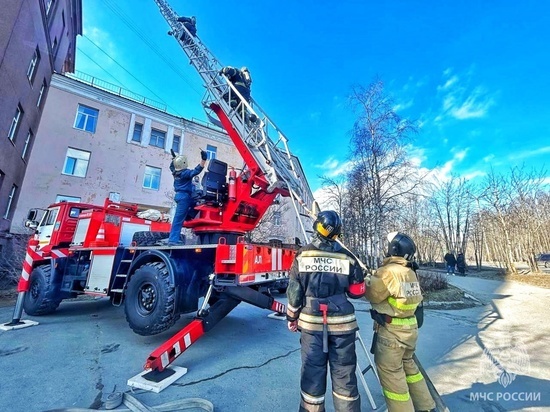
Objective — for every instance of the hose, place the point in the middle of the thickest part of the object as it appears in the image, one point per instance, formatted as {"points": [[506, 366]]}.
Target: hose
{"points": [[115, 399]]}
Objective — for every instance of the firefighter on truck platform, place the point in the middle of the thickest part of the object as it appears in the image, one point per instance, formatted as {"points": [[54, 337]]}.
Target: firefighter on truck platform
{"points": [[322, 277], [394, 293]]}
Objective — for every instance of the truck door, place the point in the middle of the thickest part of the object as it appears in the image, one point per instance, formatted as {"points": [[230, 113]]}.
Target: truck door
{"points": [[46, 226]]}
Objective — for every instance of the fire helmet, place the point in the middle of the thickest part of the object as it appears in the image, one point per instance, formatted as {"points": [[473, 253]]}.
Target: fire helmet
{"points": [[328, 224], [180, 163], [399, 244]]}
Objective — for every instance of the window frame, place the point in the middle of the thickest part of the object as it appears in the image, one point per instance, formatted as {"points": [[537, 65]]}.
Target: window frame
{"points": [[175, 148], [28, 139], [211, 151], [75, 164], [41, 93], [153, 134], [148, 175], [87, 118], [15, 122], [11, 196], [33, 65], [136, 124]]}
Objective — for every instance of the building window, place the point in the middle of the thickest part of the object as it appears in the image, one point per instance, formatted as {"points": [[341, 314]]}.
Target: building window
{"points": [[48, 5], [151, 179], [211, 151], [41, 93], [27, 143], [157, 138], [54, 46], [63, 198], [76, 162], [138, 130], [277, 218], [176, 143], [86, 118], [15, 123], [10, 201], [33, 64]]}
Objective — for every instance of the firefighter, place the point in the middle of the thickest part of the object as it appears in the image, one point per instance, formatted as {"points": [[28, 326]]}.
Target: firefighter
{"points": [[183, 186], [190, 24], [242, 81], [322, 277], [394, 294]]}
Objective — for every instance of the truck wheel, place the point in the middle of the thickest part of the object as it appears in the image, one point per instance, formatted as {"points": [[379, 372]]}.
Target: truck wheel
{"points": [[148, 238], [41, 298], [150, 300]]}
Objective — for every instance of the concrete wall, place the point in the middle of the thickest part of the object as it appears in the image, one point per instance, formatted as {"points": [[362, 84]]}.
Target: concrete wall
{"points": [[24, 26], [116, 163]]}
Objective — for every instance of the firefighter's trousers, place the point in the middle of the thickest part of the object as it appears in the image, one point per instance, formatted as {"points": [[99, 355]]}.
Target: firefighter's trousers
{"points": [[342, 361], [404, 387]]}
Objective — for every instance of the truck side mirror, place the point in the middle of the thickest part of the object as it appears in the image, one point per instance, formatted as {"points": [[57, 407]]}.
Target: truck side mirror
{"points": [[31, 219], [32, 214]]}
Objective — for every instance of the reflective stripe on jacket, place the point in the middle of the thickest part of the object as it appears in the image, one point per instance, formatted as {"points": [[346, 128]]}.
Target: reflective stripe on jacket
{"points": [[394, 288], [322, 273]]}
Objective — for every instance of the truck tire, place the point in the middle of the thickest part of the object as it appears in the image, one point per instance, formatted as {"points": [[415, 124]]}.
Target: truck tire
{"points": [[148, 238], [149, 303], [42, 297]]}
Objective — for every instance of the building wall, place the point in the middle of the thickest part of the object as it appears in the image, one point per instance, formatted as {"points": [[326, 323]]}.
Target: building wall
{"points": [[25, 27], [116, 163]]}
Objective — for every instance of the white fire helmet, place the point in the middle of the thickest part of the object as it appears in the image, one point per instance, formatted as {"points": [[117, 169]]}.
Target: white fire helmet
{"points": [[246, 74], [180, 163]]}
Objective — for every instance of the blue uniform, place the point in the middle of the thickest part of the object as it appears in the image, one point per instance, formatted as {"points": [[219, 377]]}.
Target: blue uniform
{"points": [[183, 186]]}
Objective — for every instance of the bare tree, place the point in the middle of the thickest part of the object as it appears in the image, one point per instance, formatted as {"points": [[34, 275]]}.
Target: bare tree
{"points": [[382, 172]]}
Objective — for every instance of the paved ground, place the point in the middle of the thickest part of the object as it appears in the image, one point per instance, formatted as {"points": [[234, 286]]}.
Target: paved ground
{"points": [[84, 351]]}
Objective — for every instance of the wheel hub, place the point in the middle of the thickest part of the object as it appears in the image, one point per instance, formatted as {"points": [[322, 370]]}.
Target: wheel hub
{"points": [[147, 298]]}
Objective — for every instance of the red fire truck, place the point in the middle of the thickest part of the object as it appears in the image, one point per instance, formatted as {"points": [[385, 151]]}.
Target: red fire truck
{"points": [[110, 251]]}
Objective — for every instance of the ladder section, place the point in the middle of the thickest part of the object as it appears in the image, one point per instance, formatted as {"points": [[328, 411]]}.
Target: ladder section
{"points": [[264, 140], [121, 277]]}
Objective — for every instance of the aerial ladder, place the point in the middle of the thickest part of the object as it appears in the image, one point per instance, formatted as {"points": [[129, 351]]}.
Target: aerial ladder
{"points": [[264, 143]]}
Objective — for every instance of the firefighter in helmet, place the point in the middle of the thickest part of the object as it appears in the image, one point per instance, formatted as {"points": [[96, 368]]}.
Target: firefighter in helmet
{"points": [[394, 294], [183, 186], [323, 275], [242, 81]]}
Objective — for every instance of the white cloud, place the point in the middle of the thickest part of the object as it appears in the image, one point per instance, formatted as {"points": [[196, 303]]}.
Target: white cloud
{"points": [[403, 105], [474, 174], [488, 158], [333, 167], [460, 101], [530, 153]]}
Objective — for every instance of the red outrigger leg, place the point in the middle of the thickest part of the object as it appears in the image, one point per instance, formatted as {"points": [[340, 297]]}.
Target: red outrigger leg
{"points": [[166, 353]]}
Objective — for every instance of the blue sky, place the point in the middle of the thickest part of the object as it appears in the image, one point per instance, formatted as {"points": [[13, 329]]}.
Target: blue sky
{"points": [[474, 75]]}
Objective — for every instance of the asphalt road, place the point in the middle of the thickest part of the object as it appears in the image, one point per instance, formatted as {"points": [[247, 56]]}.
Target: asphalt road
{"points": [[248, 362]]}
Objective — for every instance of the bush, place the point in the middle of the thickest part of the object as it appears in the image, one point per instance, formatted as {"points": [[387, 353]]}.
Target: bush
{"points": [[11, 261], [432, 281]]}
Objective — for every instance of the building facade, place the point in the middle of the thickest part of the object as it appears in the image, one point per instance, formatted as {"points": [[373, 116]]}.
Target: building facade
{"points": [[92, 143], [37, 38]]}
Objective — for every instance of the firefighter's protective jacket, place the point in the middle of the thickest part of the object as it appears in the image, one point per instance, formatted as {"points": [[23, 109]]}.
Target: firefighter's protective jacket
{"points": [[323, 272], [183, 179], [394, 289]]}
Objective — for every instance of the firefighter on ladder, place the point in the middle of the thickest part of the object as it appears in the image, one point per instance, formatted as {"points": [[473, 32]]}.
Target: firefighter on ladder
{"points": [[394, 294], [322, 277]]}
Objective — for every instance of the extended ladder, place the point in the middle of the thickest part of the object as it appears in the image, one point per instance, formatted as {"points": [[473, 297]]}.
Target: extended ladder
{"points": [[362, 372], [264, 139]]}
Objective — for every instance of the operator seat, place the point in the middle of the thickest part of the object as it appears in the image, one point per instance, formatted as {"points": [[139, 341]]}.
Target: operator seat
{"points": [[214, 183]]}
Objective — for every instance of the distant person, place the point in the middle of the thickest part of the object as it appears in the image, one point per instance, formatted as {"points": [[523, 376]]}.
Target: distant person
{"points": [[242, 81], [461, 264], [450, 262], [183, 186], [190, 23]]}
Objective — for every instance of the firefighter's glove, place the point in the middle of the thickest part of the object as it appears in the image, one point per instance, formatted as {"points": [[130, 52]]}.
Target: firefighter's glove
{"points": [[204, 155]]}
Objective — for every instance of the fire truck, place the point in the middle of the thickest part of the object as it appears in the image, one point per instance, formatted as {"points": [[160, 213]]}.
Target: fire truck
{"points": [[111, 251]]}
